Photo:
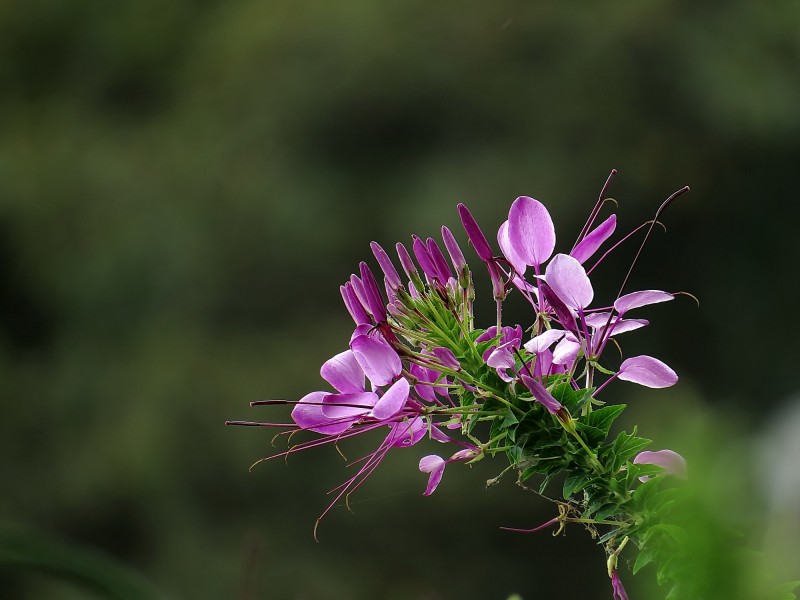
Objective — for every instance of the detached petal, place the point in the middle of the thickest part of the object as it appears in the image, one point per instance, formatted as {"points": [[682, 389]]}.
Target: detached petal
{"points": [[530, 231], [647, 371], [672, 462], [343, 373], [643, 298], [541, 395], [589, 245], [568, 279], [435, 466], [392, 401], [377, 359]]}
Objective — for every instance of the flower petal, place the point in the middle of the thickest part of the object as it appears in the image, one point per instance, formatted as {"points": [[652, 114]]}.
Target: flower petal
{"points": [[589, 245], [647, 371], [544, 340], [434, 465], [643, 298], [378, 360], [308, 415], [341, 407], [672, 462], [508, 250], [530, 231], [392, 401], [343, 372], [566, 351], [568, 279]]}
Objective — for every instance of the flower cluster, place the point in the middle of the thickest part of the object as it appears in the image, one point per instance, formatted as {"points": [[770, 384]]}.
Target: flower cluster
{"points": [[416, 366]]}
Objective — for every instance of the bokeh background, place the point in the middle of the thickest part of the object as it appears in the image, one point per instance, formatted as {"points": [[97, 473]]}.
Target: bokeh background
{"points": [[184, 185]]}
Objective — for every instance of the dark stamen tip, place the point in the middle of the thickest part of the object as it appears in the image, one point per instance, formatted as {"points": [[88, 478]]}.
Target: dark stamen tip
{"points": [[692, 296]]}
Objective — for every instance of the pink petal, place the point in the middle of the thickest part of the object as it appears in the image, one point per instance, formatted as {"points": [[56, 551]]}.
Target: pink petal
{"points": [[435, 466], [544, 340], [340, 407], [501, 357], [643, 298], [508, 250], [647, 371], [672, 462], [308, 415], [589, 245], [343, 373], [378, 359], [568, 279], [530, 231], [392, 401], [566, 351]]}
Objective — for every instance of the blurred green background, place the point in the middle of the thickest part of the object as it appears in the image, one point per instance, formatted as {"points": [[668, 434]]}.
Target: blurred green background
{"points": [[184, 185]]}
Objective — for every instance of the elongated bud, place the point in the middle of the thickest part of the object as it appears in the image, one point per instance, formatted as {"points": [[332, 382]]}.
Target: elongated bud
{"points": [[447, 358], [442, 268], [453, 249], [408, 265], [353, 305], [475, 234], [541, 395], [372, 293], [386, 265], [424, 259]]}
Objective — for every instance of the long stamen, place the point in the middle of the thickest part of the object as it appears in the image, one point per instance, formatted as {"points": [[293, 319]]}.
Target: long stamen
{"points": [[598, 205], [660, 210]]}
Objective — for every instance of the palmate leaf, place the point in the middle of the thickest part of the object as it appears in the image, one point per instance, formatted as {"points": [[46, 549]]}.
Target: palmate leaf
{"points": [[624, 448]]}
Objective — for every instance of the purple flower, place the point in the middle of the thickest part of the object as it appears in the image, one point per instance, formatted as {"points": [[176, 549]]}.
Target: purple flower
{"points": [[434, 465]]}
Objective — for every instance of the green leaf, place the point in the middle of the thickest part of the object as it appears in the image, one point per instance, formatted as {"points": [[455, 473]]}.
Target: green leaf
{"points": [[575, 482], [624, 447], [602, 418], [645, 557]]}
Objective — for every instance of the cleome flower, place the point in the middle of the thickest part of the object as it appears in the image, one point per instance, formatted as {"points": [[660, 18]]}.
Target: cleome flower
{"points": [[418, 370]]}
